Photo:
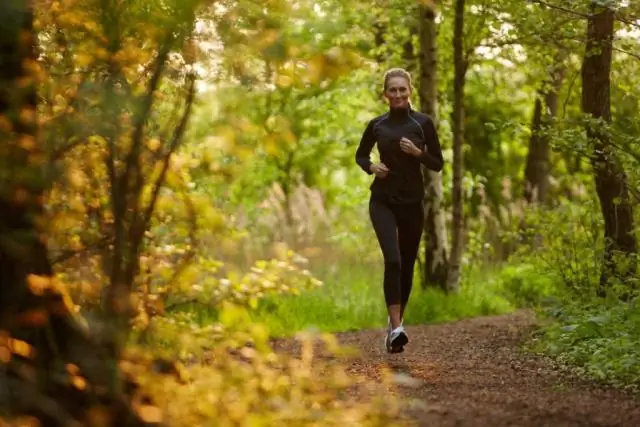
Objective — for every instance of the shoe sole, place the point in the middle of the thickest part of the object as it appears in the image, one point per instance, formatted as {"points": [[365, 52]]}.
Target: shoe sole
{"points": [[400, 341], [397, 346]]}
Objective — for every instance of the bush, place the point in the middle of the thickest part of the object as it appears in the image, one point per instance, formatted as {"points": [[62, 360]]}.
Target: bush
{"points": [[598, 338], [602, 341], [244, 383]]}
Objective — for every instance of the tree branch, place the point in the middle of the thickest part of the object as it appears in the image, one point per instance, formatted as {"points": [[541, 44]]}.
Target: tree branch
{"points": [[177, 138], [627, 21], [88, 247], [133, 158], [561, 8], [632, 54]]}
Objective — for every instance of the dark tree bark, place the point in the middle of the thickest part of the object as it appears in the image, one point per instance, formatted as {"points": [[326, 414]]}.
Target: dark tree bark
{"points": [[436, 253], [379, 31], [457, 120], [610, 177], [409, 54], [538, 163]]}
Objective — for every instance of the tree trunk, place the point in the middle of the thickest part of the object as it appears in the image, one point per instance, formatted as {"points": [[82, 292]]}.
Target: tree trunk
{"points": [[457, 120], [379, 31], [409, 54], [33, 308], [537, 167], [436, 252], [610, 178]]}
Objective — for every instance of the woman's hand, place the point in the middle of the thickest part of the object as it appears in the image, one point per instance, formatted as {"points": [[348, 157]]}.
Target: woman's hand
{"points": [[409, 147], [379, 169]]}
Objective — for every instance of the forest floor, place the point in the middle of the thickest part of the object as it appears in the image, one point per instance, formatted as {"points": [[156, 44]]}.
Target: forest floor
{"points": [[474, 373]]}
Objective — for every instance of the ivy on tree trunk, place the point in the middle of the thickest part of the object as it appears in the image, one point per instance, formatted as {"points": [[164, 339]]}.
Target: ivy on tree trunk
{"points": [[610, 177]]}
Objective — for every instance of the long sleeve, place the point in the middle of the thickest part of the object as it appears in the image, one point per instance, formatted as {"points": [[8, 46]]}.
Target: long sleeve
{"points": [[363, 153], [431, 157]]}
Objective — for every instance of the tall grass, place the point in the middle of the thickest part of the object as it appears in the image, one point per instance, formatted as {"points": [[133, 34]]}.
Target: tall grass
{"points": [[352, 299]]}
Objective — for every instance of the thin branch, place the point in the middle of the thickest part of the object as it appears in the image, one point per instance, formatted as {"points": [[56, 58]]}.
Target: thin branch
{"points": [[133, 158], [632, 54], [177, 138], [566, 100], [88, 247], [561, 8], [627, 21], [618, 17]]}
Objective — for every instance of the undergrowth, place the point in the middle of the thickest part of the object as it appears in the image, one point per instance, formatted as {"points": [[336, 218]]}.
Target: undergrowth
{"points": [[599, 341], [236, 379], [596, 338], [351, 298]]}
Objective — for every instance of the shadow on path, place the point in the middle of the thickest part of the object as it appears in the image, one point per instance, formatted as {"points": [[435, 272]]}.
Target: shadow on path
{"points": [[472, 373]]}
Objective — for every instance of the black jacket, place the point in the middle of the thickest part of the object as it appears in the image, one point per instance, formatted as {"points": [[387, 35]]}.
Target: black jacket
{"points": [[404, 183]]}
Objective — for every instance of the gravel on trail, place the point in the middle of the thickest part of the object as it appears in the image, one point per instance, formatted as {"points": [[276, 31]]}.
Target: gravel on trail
{"points": [[473, 373]]}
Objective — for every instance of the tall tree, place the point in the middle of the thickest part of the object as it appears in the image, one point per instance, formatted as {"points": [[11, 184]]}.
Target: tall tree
{"points": [[537, 167], [610, 177], [460, 64], [436, 250]]}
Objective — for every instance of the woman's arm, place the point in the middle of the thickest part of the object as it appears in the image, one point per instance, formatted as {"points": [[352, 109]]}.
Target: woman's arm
{"points": [[363, 153], [431, 157]]}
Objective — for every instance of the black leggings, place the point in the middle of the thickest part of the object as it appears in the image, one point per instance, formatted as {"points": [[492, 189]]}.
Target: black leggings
{"points": [[399, 229]]}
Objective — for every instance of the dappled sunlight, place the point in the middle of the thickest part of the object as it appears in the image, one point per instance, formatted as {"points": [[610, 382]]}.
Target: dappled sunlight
{"points": [[186, 236]]}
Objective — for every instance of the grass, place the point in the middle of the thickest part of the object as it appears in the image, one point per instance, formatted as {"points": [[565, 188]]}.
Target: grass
{"points": [[352, 299]]}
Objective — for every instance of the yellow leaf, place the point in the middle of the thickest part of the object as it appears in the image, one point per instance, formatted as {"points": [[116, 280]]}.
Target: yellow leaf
{"points": [[79, 382], [150, 414], [76, 177], [39, 284], [20, 348], [284, 81], [153, 144], [83, 59], [72, 369], [27, 142]]}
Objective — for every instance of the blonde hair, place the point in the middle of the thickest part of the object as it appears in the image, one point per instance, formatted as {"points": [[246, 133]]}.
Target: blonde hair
{"points": [[397, 72]]}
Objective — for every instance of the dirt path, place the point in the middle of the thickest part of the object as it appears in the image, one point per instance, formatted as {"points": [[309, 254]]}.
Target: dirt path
{"points": [[472, 373]]}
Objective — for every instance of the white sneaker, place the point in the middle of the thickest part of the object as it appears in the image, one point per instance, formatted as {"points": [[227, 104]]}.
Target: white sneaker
{"points": [[396, 339]]}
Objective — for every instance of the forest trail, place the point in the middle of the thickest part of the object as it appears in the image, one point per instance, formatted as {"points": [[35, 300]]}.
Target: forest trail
{"points": [[472, 373]]}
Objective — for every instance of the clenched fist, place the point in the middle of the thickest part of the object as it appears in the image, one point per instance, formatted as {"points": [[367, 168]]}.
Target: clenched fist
{"points": [[409, 147]]}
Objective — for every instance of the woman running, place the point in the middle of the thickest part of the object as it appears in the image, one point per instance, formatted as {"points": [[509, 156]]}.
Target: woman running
{"points": [[406, 139]]}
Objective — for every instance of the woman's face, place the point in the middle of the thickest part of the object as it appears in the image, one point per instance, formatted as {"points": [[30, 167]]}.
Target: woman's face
{"points": [[398, 92]]}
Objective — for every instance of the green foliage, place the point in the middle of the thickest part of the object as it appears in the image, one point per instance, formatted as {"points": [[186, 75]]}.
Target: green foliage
{"points": [[285, 91], [596, 338], [601, 341], [352, 299], [204, 288], [570, 246]]}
